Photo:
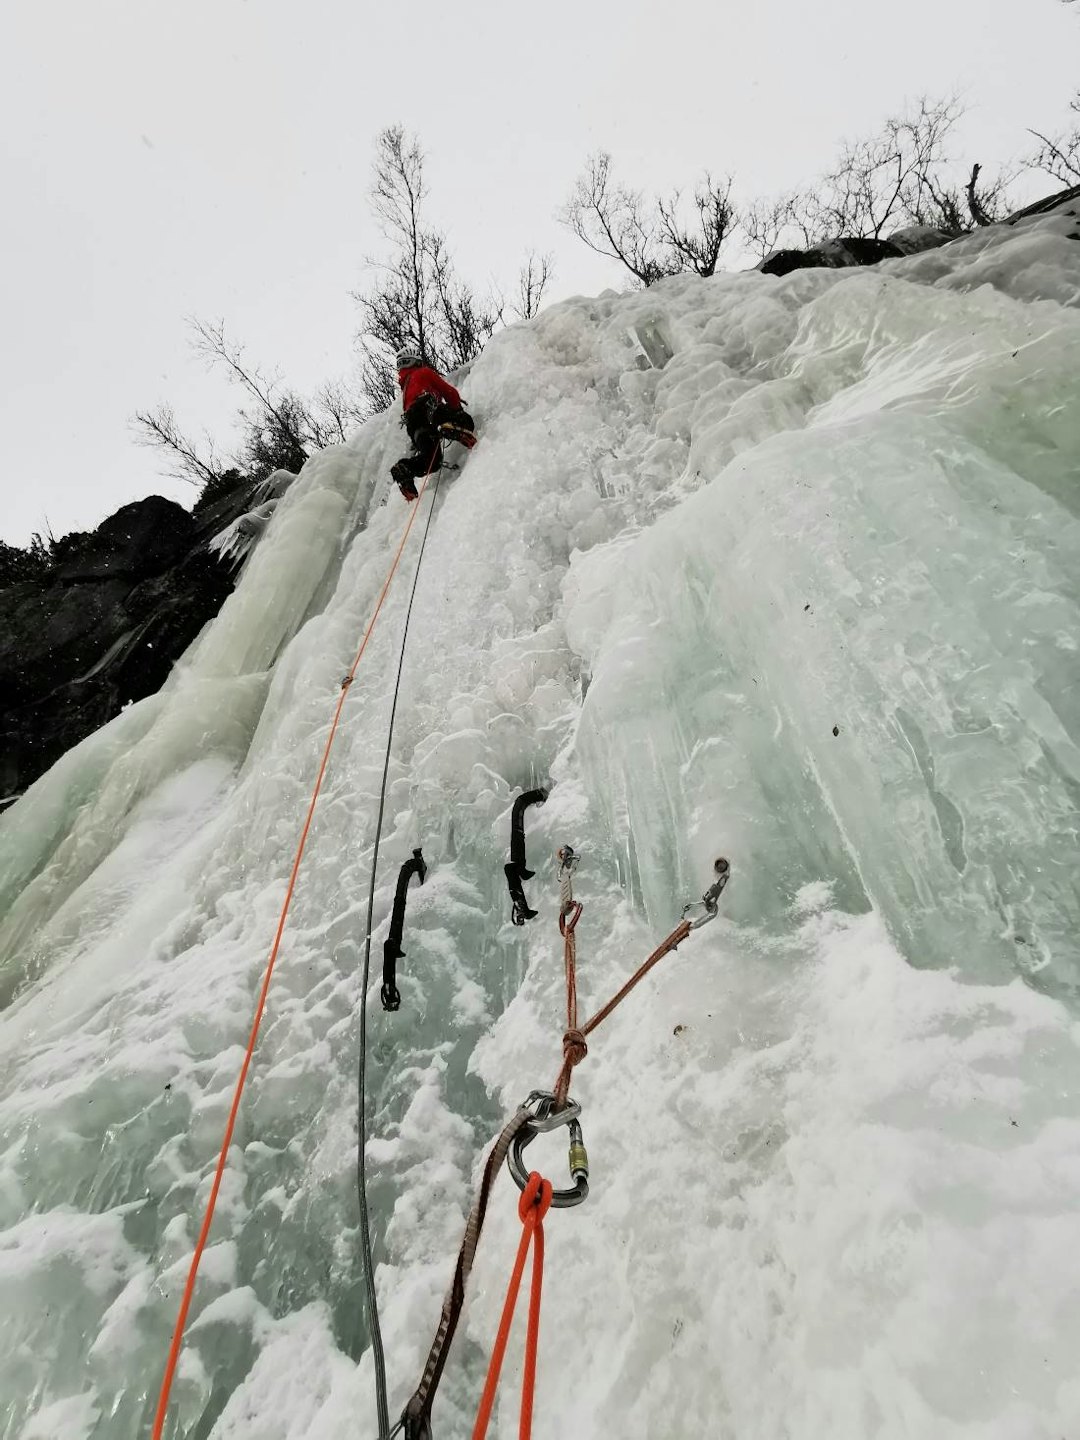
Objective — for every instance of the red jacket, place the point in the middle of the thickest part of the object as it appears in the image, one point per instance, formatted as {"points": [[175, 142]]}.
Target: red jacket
{"points": [[422, 380]]}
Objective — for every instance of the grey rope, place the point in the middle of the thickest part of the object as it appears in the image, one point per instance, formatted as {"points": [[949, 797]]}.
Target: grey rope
{"points": [[361, 1173]]}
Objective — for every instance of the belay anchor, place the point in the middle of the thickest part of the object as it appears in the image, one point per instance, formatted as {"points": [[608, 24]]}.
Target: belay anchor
{"points": [[543, 1111]]}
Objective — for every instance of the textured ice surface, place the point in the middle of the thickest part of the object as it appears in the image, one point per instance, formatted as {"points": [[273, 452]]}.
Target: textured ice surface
{"points": [[782, 569]]}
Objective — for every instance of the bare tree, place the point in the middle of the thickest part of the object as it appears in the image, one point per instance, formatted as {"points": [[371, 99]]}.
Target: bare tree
{"points": [[902, 175], [384, 330], [891, 177], [397, 196], [336, 407], [462, 322], [651, 241], [947, 205], [1059, 156], [279, 428], [417, 298], [158, 428], [612, 220], [698, 248], [378, 378], [533, 280], [766, 223]]}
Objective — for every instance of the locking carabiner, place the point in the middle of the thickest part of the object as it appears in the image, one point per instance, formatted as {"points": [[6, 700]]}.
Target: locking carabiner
{"points": [[544, 1118]]}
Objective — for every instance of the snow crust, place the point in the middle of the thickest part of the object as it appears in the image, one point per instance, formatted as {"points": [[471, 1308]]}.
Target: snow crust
{"points": [[785, 570]]}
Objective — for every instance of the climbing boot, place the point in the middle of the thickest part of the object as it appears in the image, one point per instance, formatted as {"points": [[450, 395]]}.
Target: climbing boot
{"points": [[457, 432], [404, 480]]}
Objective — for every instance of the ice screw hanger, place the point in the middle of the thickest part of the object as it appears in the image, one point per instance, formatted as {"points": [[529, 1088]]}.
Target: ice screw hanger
{"points": [[709, 904]]}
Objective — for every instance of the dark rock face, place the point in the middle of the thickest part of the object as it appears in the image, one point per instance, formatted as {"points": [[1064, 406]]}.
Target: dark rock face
{"points": [[104, 627], [914, 239], [141, 539], [833, 254], [1064, 202]]}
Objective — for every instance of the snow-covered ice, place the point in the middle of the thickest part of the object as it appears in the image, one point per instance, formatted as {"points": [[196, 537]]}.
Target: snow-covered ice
{"points": [[786, 570]]}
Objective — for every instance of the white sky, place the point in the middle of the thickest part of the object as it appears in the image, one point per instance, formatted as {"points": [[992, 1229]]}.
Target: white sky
{"points": [[212, 157]]}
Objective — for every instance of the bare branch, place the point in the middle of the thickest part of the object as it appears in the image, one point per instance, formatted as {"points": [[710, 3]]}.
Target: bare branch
{"points": [[281, 430], [610, 219], [902, 175], [978, 213], [698, 249], [158, 428], [650, 242], [465, 322], [768, 224], [533, 280], [339, 409], [211, 344], [1059, 156], [379, 379]]}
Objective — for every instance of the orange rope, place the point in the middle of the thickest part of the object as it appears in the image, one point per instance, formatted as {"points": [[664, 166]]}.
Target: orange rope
{"points": [[532, 1207], [200, 1244]]}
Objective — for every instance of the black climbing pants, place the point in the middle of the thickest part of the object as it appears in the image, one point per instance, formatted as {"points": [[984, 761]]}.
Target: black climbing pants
{"points": [[422, 421]]}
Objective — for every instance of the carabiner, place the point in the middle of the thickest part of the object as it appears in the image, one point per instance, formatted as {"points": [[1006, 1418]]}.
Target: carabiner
{"points": [[710, 900], [543, 1120]]}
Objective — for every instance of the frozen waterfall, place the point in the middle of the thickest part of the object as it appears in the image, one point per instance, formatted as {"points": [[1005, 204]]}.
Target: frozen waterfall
{"points": [[787, 570]]}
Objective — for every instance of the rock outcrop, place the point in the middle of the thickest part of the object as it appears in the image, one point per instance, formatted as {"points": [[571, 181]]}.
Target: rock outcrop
{"points": [[104, 626], [857, 250], [832, 254]]}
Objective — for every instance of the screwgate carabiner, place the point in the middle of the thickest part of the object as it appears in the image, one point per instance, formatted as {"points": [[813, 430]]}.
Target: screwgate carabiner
{"points": [[543, 1120]]}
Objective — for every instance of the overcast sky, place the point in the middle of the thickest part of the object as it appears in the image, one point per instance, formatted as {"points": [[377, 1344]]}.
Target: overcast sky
{"points": [[212, 157]]}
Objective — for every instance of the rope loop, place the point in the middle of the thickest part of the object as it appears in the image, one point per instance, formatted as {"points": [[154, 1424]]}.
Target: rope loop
{"points": [[569, 918], [535, 1197]]}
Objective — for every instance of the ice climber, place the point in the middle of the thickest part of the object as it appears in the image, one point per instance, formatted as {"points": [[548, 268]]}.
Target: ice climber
{"points": [[433, 413]]}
